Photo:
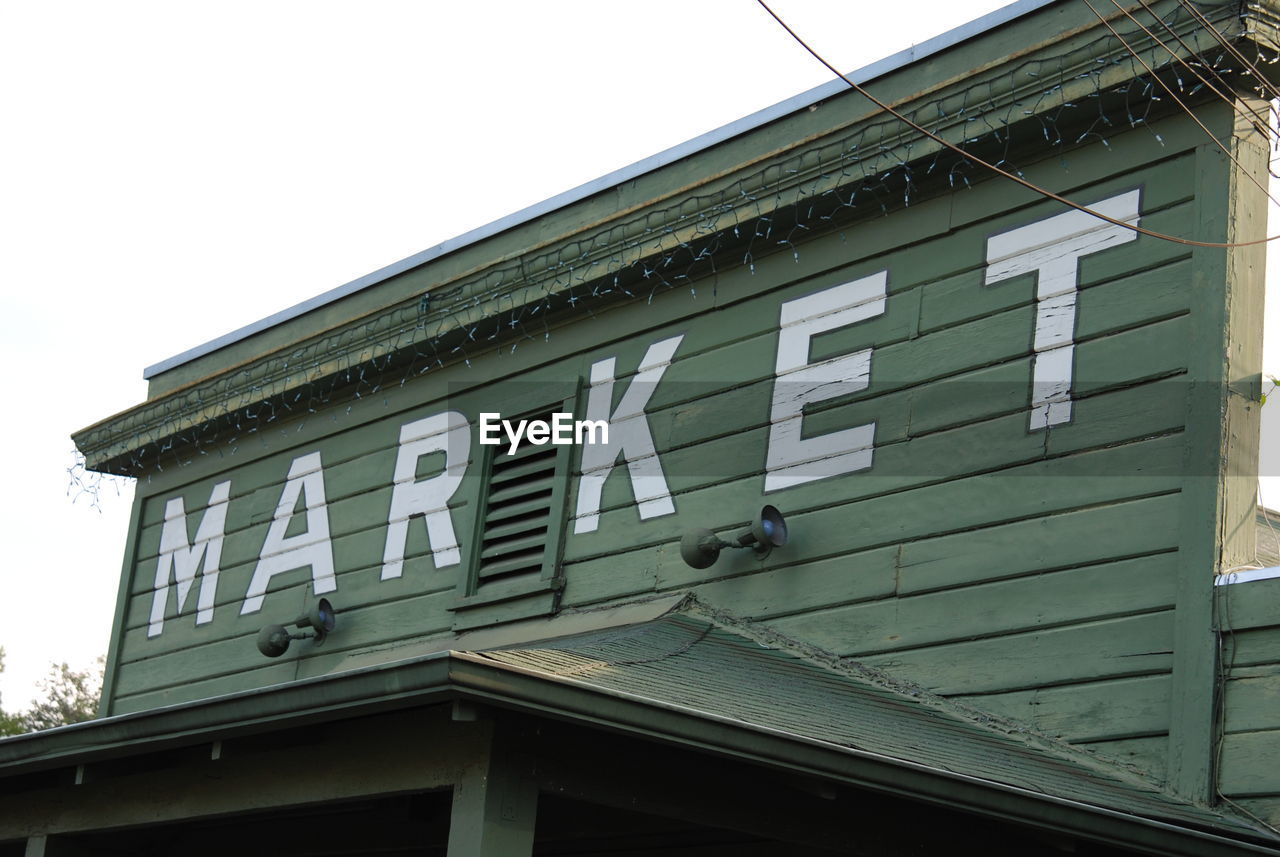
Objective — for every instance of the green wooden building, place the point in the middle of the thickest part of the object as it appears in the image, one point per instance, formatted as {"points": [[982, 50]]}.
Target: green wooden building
{"points": [[979, 468]]}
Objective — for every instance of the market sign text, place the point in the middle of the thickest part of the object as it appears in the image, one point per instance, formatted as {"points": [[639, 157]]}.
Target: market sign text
{"points": [[1049, 248]]}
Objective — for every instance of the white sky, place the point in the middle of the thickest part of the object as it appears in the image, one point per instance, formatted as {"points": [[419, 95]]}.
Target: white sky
{"points": [[172, 171]]}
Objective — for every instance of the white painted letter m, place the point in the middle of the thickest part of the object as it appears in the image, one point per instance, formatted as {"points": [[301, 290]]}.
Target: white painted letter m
{"points": [[181, 559]]}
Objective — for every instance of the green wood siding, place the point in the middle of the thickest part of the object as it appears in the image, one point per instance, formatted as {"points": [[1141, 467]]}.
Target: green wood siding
{"points": [[1249, 614], [1058, 575], [1030, 572]]}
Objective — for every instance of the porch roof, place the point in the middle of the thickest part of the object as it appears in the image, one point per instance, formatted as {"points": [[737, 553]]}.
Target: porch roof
{"points": [[684, 674]]}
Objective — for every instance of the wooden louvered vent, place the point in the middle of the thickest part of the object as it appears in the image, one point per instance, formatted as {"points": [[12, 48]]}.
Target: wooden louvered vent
{"points": [[518, 514], [513, 571]]}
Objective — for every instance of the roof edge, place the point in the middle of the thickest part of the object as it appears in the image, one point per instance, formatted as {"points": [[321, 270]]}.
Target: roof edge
{"points": [[504, 685], [746, 124], [453, 674], [464, 675]]}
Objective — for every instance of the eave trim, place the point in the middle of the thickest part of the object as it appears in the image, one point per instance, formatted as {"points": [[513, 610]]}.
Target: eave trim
{"points": [[748, 123]]}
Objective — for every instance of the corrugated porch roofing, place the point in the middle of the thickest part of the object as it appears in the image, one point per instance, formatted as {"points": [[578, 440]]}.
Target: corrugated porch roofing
{"points": [[696, 678]]}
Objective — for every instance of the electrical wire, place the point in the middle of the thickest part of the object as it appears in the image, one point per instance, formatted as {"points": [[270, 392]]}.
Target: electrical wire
{"points": [[1265, 84], [1266, 88], [1261, 123], [1169, 89], [1224, 663], [998, 170]]}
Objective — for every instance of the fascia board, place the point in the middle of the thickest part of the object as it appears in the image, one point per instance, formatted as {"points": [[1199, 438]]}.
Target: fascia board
{"points": [[738, 127]]}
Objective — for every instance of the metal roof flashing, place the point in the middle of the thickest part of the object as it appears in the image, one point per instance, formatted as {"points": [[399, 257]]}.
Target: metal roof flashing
{"points": [[748, 123]]}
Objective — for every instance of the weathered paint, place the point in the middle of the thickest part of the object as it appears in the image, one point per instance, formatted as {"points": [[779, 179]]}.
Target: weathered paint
{"points": [[1248, 614], [1051, 249], [312, 548], [447, 433], [949, 407], [630, 438], [180, 560], [995, 429], [799, 384]]}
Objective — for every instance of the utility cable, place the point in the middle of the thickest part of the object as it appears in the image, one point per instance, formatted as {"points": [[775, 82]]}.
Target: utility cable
{"points": [[998, 170], [1260, 123], [1169, 89], [1265, 85]]}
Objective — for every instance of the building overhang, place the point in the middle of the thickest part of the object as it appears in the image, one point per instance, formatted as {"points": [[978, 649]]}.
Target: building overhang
{"points": [[728, 203], [687, 679]]}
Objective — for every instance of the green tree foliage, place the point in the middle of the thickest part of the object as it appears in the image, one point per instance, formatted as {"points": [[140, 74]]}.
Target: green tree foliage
{"points": [[69, 696], [9, 724]]}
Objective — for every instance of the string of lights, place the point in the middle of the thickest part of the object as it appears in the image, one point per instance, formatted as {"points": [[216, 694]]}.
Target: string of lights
{"points": [[995, 168], [1262, 125], [1040, 107], [1169, 90], [1260, 79]]}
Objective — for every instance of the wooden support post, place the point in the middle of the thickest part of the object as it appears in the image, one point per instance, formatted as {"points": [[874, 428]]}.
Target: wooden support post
{"points": [[1218, 497], [52, 846], [495, 804]]}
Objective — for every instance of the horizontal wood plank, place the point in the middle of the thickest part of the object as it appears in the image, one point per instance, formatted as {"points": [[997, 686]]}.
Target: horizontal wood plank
{"points": [[1250, 764], [1147, 756], [1089, 712], [1129, 646], [1252, 703], [1043, 600], [1062, 540]]}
